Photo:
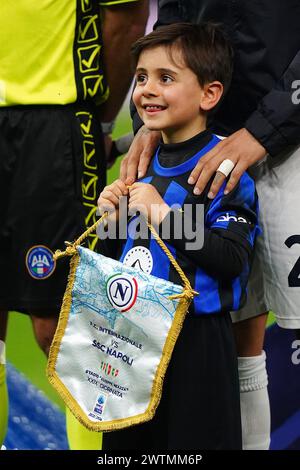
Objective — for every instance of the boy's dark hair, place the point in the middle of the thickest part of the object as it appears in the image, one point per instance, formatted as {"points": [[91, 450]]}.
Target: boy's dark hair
{"points": [[204, 47]]}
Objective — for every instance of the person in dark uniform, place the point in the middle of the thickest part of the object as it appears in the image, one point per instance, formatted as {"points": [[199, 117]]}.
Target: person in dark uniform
{"points": [[182, 72]]}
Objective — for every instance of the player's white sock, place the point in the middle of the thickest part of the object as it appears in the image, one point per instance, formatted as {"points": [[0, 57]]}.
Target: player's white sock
{"points": [[3, 394], [255, 406]]}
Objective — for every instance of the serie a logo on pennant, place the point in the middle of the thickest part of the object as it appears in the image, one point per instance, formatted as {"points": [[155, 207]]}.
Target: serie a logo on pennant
{"points": [[122, 291]]}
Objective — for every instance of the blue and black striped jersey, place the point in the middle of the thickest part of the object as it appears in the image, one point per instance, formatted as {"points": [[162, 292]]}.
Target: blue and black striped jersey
{"points": [[219, 270]]}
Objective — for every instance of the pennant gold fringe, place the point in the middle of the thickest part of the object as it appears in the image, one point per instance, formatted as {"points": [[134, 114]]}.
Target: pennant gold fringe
{"points": [[184, 301]]}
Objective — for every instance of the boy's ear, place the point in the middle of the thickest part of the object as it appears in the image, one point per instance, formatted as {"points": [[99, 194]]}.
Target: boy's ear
{"points": [[212, 93]]}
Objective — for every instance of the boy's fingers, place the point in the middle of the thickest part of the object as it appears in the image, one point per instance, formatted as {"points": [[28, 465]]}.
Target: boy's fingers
{"points": [[131, 194], [135, 187], [105, 206], [122, 187], [112, 191], [118, 188], [133, 197], [112, 197]]}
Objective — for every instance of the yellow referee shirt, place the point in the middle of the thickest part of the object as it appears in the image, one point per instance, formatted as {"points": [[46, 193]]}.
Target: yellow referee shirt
{"points": [[50, 51]]}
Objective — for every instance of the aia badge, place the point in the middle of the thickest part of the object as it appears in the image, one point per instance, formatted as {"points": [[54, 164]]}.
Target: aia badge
{"points": [[40, 262], [122, 291]]}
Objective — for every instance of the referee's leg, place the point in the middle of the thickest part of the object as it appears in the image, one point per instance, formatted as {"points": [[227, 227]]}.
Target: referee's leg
{"points": [[44, 329]]}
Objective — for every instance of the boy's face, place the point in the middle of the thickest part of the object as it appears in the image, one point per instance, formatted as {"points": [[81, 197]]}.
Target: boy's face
{"points": [[168, 95]]}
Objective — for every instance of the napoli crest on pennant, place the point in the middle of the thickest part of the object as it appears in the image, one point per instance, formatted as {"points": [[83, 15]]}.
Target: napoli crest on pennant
{"points": [[122, 291]]}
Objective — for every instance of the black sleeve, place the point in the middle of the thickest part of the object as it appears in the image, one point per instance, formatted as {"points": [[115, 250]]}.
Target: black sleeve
{"points": [[220, 256], [276, 121]]}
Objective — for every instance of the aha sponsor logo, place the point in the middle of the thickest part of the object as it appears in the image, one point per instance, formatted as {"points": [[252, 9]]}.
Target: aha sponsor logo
{"points": [[39, 262], [122, 291], [228, 217]]}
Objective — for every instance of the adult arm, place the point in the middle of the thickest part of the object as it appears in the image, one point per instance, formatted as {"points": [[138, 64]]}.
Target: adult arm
{"points": [[123, 23], [274, 125]]}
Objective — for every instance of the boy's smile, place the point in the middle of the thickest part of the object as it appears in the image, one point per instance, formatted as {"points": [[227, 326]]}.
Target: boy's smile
{"points": [[168, 95], [153, 108]]}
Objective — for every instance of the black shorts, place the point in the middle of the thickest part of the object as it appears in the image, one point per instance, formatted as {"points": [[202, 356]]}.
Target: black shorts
{"points": [[200, 404], [52, 169]]}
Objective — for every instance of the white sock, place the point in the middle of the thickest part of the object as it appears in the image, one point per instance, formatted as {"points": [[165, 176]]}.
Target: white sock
{"points": [[255, 406]]}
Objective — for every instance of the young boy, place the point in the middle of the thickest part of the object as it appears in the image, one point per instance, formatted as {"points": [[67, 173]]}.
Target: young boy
{"points": [[182, 72]]}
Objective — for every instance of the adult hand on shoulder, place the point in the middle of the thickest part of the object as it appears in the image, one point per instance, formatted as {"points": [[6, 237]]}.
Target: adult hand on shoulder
{"points": [[241, 148], [139, 155]]}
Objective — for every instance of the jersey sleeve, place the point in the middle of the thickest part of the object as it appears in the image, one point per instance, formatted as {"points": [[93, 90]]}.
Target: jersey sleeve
{"points": [[229, 231], [275, 123], [236, 214]]}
